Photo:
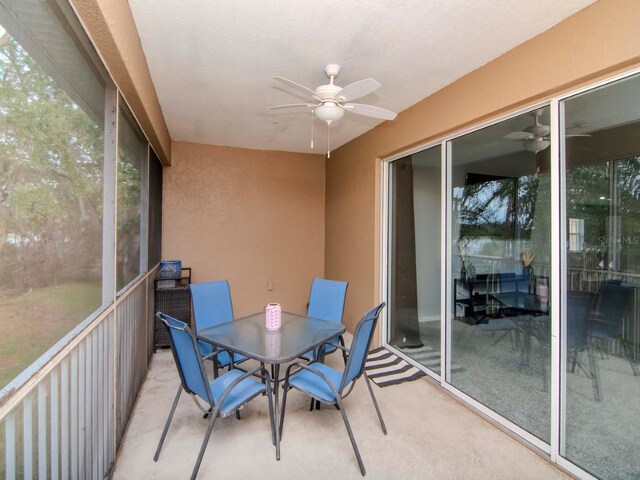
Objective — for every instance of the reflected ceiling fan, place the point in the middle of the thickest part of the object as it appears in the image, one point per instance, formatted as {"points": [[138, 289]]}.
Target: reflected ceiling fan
{"points": [[536, 136], [332, 101]]}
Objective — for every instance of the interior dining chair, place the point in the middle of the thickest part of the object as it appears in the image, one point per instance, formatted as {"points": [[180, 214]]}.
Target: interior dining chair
{"points": [[212, 306], [612, 308], [222, 396], [579, 309], [327, 385], [326, 302]]}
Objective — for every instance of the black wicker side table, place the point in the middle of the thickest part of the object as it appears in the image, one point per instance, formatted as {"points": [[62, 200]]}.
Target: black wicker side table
{"points": [[172, 297]]}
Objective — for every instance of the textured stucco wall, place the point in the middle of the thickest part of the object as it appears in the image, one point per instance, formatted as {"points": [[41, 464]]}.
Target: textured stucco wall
{"points": [[597, 41], [112, 29], [249, 216]]}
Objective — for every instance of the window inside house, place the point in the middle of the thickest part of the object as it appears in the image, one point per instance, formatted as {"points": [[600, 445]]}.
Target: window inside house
{"points": [[576, 234], [52, 109]]}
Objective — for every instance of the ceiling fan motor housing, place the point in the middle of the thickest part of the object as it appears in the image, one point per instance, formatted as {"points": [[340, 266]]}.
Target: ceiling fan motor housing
{"points": [[327, 92]]}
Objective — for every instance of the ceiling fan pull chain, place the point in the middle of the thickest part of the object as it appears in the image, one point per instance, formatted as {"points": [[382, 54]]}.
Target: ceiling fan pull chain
{"points": [[312, 110], [328, 139]]}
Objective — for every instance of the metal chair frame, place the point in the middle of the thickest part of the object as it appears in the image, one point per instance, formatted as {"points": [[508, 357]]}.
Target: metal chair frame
{"points": [[339, 394], [214, 407]]}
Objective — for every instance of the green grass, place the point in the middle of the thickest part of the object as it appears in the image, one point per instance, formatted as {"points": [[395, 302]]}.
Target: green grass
{"points": [[32, 324]]}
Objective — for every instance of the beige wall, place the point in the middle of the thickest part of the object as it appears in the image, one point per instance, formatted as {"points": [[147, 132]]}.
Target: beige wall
{"points": [[602, 39], [249, 216], [111, 27]]}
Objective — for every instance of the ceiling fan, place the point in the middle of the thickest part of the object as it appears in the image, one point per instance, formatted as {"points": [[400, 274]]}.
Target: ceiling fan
{"points": [[331, 100], [536, 136]]}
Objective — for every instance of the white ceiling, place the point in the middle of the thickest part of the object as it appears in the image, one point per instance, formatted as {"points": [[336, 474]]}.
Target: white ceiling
{"points": [[212, 61]]}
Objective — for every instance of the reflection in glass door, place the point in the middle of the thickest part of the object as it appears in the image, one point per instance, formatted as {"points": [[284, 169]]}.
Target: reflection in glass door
{"points": [[601, 335], [500, 254], [414, 241]]}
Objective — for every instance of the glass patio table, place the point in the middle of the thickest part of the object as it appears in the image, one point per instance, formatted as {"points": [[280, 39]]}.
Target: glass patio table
{"points": [[248, 336]]}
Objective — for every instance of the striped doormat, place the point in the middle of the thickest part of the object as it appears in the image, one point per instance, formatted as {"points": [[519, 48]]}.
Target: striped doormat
{"points": [[385, 368]]}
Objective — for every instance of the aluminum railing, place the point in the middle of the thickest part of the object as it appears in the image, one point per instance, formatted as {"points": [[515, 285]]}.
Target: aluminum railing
{"points": [[68, 420]]}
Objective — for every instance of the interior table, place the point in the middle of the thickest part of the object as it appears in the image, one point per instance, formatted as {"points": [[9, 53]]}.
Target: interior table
{"points": [[248, 336], [523, 302], [531, 313]]}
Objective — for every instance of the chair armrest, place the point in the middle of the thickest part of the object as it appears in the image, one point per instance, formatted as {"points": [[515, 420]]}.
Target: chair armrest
{"points": [[242, 377], [312, 370]]}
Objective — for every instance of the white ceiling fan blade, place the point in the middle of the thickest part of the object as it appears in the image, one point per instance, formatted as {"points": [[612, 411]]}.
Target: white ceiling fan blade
{"points": [[578, 135], [358, 89], [519, 136], [293, 105], [297, 86], [370, 111]]}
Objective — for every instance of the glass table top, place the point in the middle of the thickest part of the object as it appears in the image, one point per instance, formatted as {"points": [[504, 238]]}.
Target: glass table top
{"points": [[248, 336], [527, 302]]}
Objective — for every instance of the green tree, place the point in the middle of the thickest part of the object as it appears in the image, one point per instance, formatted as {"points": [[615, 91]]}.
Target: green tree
{"points": [[51, 156]]}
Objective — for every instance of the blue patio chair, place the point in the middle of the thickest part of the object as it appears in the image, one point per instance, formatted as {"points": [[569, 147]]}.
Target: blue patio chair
{"points": [[330, 386], [212, 306], [223, 395], [326, 302]]}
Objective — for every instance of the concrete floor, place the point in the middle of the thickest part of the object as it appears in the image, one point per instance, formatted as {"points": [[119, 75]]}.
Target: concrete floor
{"points": [[430, 436]]}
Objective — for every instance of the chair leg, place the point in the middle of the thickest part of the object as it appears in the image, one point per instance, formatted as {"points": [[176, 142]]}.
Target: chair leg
{"points": [[351, 437], [166, 425], [285, 390], [311, 404], [627, 353], [205, 442], [574, 361], [594, 373], [375, 404]]}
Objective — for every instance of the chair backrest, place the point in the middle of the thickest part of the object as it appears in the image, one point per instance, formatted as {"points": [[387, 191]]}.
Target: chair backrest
{"points": [[187, 357], [613, 304], [360, 346], [326, 300], [211, 303], [579, 305]]}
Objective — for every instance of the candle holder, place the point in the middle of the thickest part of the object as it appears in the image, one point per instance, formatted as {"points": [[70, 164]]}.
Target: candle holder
{"points": [[272, 317]]}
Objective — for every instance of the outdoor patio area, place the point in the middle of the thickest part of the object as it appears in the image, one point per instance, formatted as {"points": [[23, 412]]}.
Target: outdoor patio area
{"points": [[430, 435]]}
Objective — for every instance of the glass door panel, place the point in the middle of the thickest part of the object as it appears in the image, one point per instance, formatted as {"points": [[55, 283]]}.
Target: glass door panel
{"points": [[414, 246], [601, 332], [500, 251]]}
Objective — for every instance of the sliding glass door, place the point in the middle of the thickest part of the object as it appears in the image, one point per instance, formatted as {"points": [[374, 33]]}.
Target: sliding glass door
{"points": [[500, 261], [542, 322], [414, 241], [601, 332]]}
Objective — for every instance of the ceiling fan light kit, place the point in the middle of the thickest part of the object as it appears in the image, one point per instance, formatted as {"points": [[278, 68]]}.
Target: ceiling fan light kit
{"points": [[331, 99], [537, 144], [329, 112]]}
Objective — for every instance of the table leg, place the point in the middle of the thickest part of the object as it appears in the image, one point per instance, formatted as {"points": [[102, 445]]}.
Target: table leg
{"points": [[276, 406]]}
